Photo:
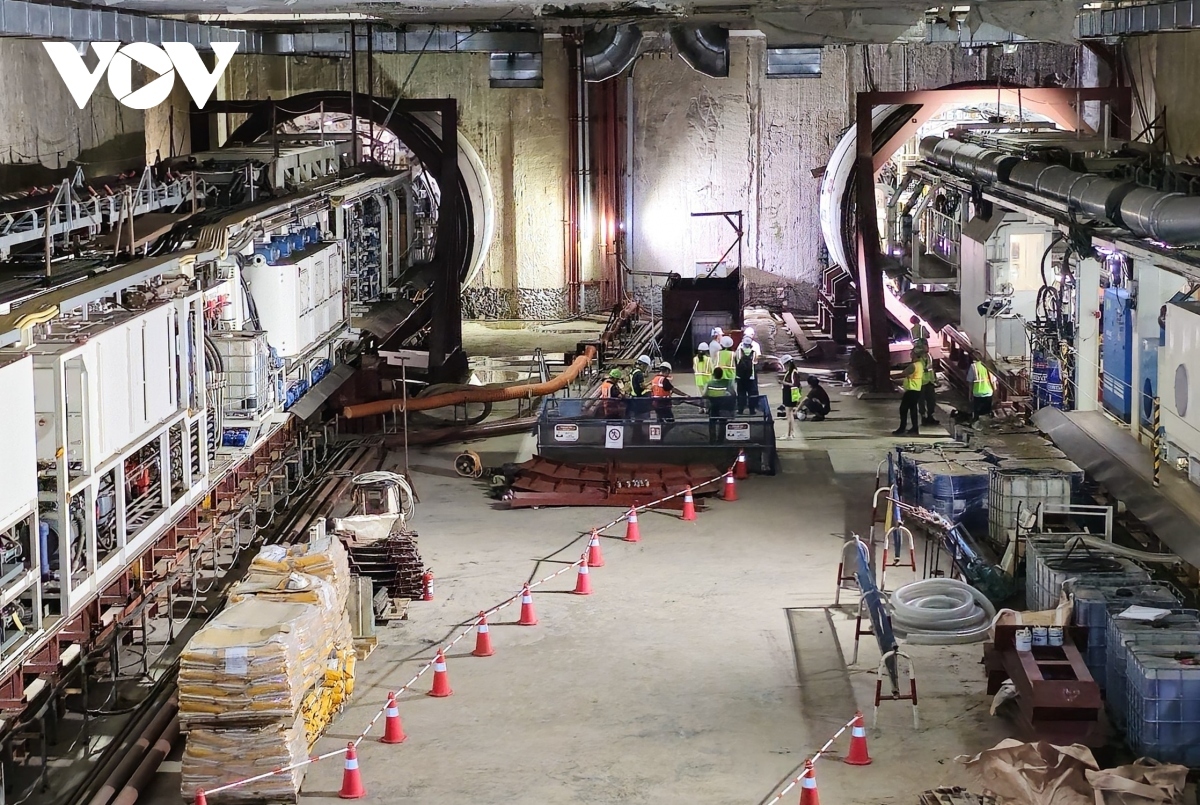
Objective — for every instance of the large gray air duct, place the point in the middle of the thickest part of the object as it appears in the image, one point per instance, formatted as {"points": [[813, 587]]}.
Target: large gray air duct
{"points": [[608, 50], [1171, 218], [704, 47]]}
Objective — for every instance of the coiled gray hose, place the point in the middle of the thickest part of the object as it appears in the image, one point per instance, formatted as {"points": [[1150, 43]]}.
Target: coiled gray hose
{"points": [[939, 612]]}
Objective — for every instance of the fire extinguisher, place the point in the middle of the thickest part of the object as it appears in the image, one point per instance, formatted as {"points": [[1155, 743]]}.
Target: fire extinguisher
{"points": [[427, 586]]}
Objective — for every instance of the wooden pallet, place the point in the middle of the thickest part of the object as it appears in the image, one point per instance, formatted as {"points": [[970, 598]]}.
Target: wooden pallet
{"points": [[397, 610], [364, 646]]}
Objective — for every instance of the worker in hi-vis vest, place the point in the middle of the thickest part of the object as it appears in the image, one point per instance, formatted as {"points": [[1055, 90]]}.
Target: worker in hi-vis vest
{"points": [[928, 384], [979, 379], [746, 375], [910, 401], [702, 366], [721, 402], [917, 330]]}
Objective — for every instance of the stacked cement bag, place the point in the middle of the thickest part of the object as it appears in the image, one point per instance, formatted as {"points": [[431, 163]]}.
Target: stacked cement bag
{"points": [[215, 757], [262, 680]]}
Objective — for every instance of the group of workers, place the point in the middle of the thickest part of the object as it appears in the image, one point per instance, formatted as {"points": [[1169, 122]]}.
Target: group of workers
{"points": [[720, 368], [919, 385], [642, 397], [725, 376]]}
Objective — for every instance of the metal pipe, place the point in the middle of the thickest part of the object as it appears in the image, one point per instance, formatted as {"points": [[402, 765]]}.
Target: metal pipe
{"points": [[629, 129], [129, 764], [1170, 218], [145, 772]]}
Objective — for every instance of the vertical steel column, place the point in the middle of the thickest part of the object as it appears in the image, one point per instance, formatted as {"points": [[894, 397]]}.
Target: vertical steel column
{"points": [[873, 322], [445, 337], [356, 149], [371, 89]]}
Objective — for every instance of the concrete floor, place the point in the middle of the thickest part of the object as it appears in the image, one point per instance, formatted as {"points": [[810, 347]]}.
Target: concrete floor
{"points": [[702, 670]]}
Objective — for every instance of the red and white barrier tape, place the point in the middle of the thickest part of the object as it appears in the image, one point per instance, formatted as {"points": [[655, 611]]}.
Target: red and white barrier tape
{"points": [[795, 781], [470, 627]]}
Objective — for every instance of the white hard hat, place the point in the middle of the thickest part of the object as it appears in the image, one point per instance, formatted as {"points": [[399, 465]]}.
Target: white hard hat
{"points": [[644, 359], [786, 359], [665, 365], [702, 346], [748, 331], [717, 331], [726, 341]]}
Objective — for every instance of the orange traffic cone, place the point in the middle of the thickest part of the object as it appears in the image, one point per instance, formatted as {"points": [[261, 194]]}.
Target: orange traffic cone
{"points": [[528, 616], [583, 580], [689, 505], [200, 798], [352, 787], [393, 730], [632, 532], [740, 470], [858, 743], [808, 786], [595, 558], [483, 638], [441, 679], [730, 488]]}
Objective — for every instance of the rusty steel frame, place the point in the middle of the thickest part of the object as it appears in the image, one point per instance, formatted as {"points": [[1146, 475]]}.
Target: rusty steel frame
{"points": [[1062, 105], [145, 581]]}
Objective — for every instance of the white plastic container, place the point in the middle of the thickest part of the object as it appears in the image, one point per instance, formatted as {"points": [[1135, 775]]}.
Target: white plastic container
{"points": [[1024, 640], [1040, 636], [1055, 635]]}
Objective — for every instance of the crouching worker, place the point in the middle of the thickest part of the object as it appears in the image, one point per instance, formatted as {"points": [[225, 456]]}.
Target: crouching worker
{"points": [[816, 404]]}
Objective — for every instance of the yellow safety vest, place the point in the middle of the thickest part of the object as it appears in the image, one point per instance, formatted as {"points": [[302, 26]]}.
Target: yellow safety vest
{"points": [[914, 381], [982, 387], [702, 369], [725, 360], [929, 376]]}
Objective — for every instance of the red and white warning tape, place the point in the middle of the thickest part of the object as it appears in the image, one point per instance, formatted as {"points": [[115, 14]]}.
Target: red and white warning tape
{"points": [[795, 781], [468, 629]]}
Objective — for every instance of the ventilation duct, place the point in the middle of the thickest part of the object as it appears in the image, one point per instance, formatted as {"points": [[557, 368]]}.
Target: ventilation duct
{"points": [[1171, 218], [608, 50], [704, 47]]}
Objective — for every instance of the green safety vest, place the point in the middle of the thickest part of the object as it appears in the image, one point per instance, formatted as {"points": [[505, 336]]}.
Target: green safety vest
{"points": [[702, 369], [914, 381], [725, 359], [717, 388], [982, 387], [929, 376]]}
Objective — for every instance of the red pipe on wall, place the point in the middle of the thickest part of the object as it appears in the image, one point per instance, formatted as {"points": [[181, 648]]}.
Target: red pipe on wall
{"points": [[607, 124], [572, 257]]}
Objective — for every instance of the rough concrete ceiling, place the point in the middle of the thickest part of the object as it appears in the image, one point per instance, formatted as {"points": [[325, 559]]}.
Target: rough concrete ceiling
{"points": [[784, 23]]}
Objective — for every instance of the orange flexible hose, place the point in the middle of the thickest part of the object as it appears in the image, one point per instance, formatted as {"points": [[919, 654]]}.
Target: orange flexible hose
{"points": [[475, 395]]}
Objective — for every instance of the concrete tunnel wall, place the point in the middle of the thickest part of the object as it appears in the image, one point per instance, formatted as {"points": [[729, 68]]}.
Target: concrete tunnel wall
{"points": [[744, 143]]}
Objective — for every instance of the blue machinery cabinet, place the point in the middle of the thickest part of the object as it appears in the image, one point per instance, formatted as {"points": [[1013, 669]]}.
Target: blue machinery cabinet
{"points": [[1118, 352]]}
